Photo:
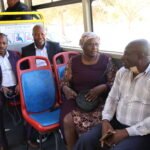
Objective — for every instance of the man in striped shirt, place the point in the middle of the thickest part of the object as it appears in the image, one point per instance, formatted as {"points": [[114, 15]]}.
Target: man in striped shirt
{"points": [[127, 109]]}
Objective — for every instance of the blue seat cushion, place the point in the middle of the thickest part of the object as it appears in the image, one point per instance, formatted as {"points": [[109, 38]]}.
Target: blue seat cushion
{"points": [[38, 90], [61, 71], [47, 118]]}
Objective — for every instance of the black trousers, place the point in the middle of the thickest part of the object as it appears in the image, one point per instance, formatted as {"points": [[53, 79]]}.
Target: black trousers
{"points": [[3, 139], [28, 132]]}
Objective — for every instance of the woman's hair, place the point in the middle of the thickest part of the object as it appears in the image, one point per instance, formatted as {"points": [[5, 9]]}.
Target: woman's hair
{"points": [[86, 36]]}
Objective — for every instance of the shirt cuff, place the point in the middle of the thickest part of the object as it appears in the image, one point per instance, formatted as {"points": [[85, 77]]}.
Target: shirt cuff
{"points": [[137, 130], [132, 131], [106, 117]]}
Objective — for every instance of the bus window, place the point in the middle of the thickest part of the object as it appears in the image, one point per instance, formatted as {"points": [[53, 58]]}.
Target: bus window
{"points": [[64, 23], [120, 21], [37, 2]]}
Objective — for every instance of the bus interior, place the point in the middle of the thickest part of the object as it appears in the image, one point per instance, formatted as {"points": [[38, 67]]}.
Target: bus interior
{"points": [[117, 22]]}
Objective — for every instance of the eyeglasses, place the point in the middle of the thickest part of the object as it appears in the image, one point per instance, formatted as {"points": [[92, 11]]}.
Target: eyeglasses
{"points": [[93, 44]]}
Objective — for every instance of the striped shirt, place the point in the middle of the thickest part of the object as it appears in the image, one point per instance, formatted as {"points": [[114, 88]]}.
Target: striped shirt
{"points": [[129, 98]]}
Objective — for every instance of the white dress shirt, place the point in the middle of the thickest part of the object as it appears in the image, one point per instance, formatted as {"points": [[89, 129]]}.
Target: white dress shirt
{"points": [[130, 99], [41, 52], [8, 76]]}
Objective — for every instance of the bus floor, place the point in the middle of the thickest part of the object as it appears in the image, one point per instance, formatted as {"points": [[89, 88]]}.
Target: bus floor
{"points": [[14, 133]]}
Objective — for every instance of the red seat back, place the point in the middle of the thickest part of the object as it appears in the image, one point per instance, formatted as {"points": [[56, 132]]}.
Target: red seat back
{"points": [[59, 67]]}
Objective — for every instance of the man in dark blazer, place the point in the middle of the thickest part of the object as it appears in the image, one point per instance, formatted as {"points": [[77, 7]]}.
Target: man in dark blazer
{"points": [[8, 80], [41, 47]]}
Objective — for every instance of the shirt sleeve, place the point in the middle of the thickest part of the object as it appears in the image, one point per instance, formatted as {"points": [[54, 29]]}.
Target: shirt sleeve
{"points": [[17, 59], [112, 100], [141, 128]]}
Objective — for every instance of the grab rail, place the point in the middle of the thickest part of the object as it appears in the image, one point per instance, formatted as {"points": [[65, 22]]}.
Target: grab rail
{"points": [[22, 21]]}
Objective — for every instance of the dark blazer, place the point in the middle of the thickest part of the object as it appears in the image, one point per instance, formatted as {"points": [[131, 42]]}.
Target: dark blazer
{"points": [[13, 58], [52, 49]]}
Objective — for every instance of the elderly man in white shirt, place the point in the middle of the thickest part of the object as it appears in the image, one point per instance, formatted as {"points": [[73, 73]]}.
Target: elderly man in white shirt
{"points": [[126, 115]]}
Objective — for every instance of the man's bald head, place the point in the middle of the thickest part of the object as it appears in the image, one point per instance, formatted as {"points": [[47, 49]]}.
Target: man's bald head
{"points": [[137, 54], [140, 46], [36, 28]]}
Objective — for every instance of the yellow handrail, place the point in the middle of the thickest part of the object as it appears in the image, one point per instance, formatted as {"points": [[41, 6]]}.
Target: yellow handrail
{"points": [[22, 13]]}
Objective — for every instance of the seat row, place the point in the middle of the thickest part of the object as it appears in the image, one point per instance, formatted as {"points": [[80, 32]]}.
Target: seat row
{"points": [[40, 93]]}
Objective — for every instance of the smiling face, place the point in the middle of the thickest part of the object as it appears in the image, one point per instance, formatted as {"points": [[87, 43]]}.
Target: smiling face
{"points": [[3, 45], [39, 36], [91, 47]]}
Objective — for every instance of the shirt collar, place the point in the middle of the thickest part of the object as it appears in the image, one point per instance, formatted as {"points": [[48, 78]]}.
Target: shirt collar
{"points": [[42, 48]]}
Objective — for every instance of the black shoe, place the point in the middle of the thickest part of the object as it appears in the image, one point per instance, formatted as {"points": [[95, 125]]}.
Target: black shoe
{"points": [[44, 138], [33, 144]]}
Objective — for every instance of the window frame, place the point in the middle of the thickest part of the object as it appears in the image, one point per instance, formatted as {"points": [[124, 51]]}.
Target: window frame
{"points": [[54, 4]]}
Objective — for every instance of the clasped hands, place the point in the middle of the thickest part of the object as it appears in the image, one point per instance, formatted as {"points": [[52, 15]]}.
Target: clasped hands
{"points": [[104, 139], [111, 137], [5, 90]]}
